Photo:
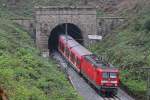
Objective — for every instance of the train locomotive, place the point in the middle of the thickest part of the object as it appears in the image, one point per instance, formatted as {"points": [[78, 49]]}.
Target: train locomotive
{"points": [[101, 75]]}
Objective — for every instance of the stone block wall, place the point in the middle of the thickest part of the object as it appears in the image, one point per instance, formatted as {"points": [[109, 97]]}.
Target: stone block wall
{"points": [[105, 25], [48, 18]]}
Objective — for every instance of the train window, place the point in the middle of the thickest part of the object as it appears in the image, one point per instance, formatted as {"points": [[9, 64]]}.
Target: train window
{"points": [[105, 75], [63, 48], [67, 52], [78, 61], [109, 75], [60, 45], [72, 57], [113, 75]]}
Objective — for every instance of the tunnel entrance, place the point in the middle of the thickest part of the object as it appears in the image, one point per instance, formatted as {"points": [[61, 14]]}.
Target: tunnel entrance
{"points": [[71, 30]]}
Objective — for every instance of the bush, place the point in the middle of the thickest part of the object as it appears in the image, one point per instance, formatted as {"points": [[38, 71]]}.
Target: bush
{"points": [[24, 74], [147, 25], [128, 49]]}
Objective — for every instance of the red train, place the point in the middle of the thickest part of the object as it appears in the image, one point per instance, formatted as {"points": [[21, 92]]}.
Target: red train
{"points": [[102, 75]]}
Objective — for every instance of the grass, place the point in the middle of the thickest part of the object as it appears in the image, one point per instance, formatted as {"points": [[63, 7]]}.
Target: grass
{"points": [[24, 74], [128, 48], [129, 52], [25, 8]]}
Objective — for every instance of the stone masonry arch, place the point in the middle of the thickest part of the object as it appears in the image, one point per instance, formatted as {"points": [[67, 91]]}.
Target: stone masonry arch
{"points": [[47, 18], [72, 30]]}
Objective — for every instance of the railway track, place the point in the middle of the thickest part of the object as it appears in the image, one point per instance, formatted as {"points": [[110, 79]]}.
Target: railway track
{"points": [[81, 86], [111, 98]]}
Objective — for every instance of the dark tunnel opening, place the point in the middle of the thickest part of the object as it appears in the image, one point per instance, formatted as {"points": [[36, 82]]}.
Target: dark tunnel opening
{"points": [[72, 30]]}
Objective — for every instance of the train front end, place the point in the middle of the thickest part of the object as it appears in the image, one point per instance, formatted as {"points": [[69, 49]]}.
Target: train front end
{"points": [[109, 81]]}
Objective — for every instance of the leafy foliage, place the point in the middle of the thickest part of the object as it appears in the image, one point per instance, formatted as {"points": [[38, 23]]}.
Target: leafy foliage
{"points": [[128, 48], [24, 74], [25, 8], [147, 25]]}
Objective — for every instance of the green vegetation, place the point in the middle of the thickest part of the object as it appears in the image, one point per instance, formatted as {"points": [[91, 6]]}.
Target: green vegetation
{"points": [[23, 73], [25, 8], [128, 48]]}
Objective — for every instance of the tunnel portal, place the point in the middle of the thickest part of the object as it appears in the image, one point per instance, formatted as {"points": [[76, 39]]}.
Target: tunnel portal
{"points": [[71, 30]]}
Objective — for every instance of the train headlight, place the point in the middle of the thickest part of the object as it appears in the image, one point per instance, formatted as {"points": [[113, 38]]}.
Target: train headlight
{"points": [[115, 84], [103, 82]]}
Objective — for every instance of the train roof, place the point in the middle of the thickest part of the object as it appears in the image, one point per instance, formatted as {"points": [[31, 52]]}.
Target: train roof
{"points": [[75, 46], [69, 41], [82, 51], [99, 62]]}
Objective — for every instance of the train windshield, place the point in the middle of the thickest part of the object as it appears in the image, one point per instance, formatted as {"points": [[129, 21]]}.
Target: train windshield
{"points": [[109, 75], [113, 75]]}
